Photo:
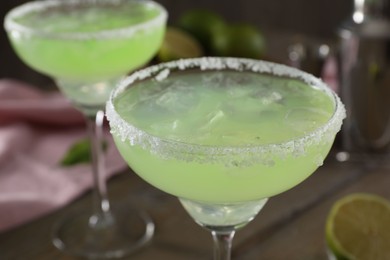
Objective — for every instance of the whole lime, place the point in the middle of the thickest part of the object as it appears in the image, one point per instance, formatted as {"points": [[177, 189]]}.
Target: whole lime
{"points": [[239, 40], [202, 24], [221, 42]]}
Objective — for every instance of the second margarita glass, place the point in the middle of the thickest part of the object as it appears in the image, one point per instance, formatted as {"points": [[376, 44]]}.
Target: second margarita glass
{"points": [[86, 46]]}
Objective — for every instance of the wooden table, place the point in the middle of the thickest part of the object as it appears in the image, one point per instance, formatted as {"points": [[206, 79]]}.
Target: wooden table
{"points": [[291, 225]]}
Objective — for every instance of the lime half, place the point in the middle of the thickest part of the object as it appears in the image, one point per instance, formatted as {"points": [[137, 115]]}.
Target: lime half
{"points": [[358, 227], [178, 44]]}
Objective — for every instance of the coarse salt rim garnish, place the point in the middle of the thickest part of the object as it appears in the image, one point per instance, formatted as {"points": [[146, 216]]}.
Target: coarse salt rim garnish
{"points": [[228, 155], [162, 75], [127, 32]]}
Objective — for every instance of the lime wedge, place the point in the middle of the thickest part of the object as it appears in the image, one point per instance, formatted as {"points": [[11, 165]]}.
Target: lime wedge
{"points": [[79, 152], [178, 44], [358, 227]]}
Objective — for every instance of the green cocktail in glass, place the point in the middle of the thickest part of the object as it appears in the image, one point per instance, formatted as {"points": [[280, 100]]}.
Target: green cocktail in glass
{"points": [[223, 134], [87, 46]]}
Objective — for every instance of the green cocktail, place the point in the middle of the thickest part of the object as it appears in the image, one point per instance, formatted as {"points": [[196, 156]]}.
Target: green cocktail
{"points": [[223, 134], [240, 115], [87, 46]]}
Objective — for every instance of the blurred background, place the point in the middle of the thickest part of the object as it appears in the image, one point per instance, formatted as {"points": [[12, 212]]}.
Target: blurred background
{"points": [[314, 19]]}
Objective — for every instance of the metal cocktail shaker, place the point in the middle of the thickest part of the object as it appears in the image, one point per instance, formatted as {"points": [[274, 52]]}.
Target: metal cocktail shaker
{"points": [[365, 78]]}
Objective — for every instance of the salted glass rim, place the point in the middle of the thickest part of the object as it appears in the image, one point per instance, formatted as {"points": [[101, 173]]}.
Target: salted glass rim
{"points": [[180, 150], [12, 26]]}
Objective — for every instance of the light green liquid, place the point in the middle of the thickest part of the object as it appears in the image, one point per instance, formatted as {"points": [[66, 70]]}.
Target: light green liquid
{"points": [[225, 108], [80, 63]]}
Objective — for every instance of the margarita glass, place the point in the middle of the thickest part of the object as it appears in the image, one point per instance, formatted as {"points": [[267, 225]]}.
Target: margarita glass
{"points": [[223, 134], [86, 46]]}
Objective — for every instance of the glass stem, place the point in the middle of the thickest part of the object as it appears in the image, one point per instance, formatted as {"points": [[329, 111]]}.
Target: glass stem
{"points": [[101, 206], [222, 244]]}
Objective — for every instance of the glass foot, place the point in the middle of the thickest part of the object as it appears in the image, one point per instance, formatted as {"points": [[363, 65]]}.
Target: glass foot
{"points": [[123, 232]]}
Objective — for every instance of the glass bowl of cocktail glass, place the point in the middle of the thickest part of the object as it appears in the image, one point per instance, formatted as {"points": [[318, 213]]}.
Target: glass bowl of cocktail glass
{"points": [[223, 134], [86, 46]]}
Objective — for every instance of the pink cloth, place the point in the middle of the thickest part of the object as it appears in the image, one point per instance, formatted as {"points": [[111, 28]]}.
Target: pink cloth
{"points": [[36, 131]]}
